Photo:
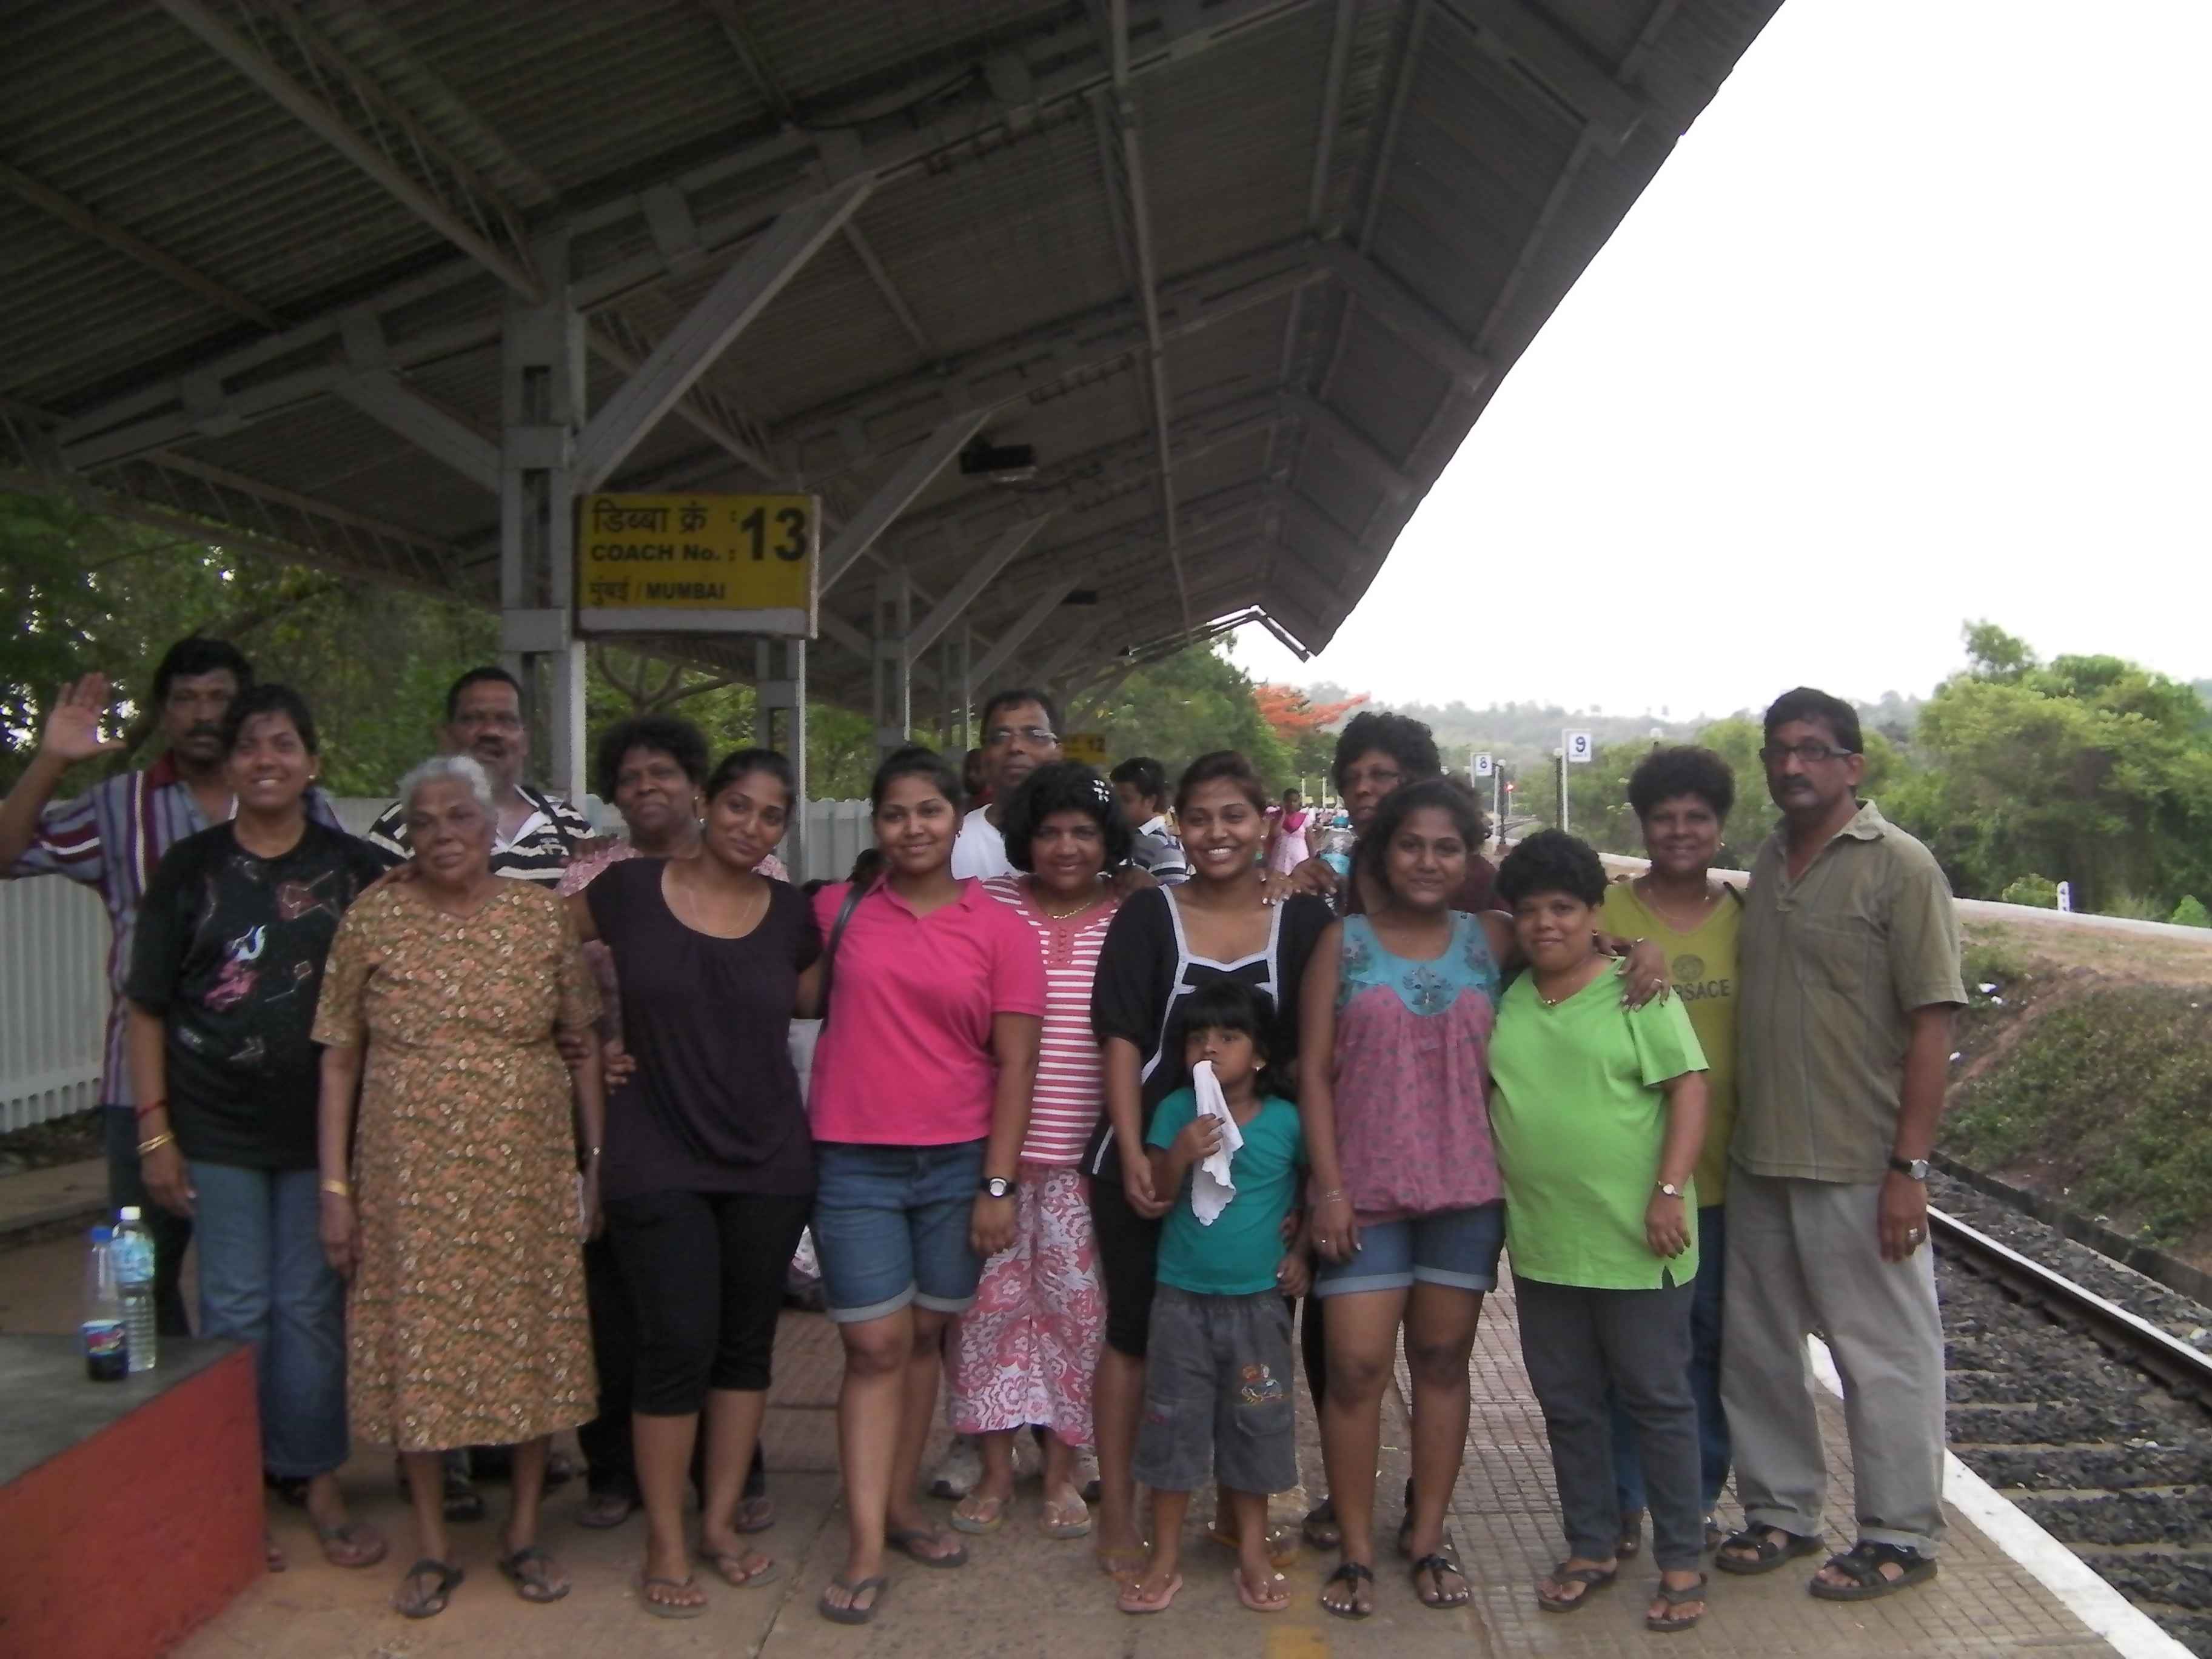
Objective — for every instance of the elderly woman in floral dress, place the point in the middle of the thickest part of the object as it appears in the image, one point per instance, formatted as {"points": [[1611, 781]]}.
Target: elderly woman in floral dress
{"points": [[450, 1150]]}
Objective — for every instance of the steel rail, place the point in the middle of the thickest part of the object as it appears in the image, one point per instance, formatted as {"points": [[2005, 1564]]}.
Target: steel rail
{"points": [[2184, 1368]]}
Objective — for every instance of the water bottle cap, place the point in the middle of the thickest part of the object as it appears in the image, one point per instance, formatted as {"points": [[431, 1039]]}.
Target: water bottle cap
{"points": [[129, 1212]]}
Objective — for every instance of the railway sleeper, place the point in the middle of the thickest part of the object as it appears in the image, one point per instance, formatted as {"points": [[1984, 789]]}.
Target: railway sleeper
{"points": [[2163, 1517], [2089, 1465]]}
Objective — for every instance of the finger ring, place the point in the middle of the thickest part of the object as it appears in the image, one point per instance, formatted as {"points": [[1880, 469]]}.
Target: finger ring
{"points": [[1913, 1233]]}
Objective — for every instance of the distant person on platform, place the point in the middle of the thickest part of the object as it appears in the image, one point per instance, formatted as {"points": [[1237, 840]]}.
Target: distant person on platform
{"points": [[1021, 732], [536, 833], [1377, 752], [1850, 988], [110, 838], [1141, 784]]}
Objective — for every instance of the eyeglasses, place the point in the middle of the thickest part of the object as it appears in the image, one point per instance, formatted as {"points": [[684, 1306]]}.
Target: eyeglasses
{"points": [[1807, 753], [478, 719], [999, 737]]}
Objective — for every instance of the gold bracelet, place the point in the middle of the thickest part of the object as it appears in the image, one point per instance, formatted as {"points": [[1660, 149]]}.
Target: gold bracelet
{"points": [[337, 1188], [147, 1148]]}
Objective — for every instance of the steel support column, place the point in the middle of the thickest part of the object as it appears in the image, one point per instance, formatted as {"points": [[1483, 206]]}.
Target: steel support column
{"points": [[779, 706], [892, 679], [541, 398]]}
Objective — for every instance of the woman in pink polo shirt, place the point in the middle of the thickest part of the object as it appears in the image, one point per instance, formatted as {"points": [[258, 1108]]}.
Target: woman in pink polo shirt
{"points": [[933, 1000]]}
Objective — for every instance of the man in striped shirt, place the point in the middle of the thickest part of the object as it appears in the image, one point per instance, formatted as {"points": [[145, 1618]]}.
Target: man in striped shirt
{"points": [[110, 838], [536, 832]]}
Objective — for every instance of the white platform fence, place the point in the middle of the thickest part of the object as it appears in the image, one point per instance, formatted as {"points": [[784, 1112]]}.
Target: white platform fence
{"points": [[53, 967]]}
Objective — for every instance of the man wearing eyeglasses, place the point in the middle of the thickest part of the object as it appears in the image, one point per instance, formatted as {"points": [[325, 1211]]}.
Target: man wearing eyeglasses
{"points": [[536, 832], [1849, 982], [1021, 732]]}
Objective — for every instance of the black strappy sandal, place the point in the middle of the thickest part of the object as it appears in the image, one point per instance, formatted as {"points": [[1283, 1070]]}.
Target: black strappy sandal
{"points": [[1352, 1575], [1432, 1593]]}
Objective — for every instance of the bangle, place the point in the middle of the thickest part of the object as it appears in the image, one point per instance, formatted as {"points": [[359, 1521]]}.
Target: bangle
{"points": [[337, 1188], [148, 1147], [152, 1107]]}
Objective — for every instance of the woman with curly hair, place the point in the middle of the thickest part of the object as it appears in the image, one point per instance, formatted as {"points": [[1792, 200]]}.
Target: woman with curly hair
{"points": [[1023, 1354]]}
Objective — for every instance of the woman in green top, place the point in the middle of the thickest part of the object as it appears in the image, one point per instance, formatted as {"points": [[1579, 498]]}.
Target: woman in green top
{"points": [[1598, 1113], [1682, 796]]}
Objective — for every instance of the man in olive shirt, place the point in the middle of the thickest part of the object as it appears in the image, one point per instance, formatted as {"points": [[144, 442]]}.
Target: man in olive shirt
{"points": [[1849, 982]]}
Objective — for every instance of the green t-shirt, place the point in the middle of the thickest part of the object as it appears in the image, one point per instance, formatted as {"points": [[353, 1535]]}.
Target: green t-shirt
{"points": [[1702, 965], [1238, 1253], [1579, 1119]]}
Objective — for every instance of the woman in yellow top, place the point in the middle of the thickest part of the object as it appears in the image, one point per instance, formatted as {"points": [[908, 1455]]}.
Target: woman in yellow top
{"points": [[1682, 797]]}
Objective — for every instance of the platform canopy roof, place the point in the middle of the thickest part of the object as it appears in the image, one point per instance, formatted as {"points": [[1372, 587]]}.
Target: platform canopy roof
{"points": [[1243, 272]]}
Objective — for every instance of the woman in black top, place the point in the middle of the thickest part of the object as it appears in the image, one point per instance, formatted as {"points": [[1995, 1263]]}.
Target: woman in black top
{"points": [[707, 1173], [225, 969], [1164, 943]]}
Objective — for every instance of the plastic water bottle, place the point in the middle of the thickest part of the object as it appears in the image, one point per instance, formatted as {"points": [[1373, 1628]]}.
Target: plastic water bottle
{"points": [[134, 1280], [1336, 848], [106, 1334]]}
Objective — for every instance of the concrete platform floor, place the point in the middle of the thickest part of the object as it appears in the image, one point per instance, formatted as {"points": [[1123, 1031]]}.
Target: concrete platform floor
{"points": [[1025, 1596]]}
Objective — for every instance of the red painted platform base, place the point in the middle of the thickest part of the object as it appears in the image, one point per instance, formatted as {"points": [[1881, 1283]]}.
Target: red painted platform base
{"points": [[120, 1543]]}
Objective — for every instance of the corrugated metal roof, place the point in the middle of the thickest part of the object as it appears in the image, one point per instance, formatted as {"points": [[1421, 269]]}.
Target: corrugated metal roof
{"points": [[1356, 213]]}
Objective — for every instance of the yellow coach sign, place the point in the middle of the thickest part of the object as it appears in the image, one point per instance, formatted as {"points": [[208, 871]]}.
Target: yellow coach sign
{"points": [[698, 564]]}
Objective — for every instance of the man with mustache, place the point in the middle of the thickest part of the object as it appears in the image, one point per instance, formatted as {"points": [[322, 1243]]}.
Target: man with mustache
{"points": [[1849, 983], [110, 838], [1021, 732], [536, 832]]}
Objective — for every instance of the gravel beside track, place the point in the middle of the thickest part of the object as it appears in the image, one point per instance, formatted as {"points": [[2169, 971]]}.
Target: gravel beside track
{"points": [[2106, 1458]]}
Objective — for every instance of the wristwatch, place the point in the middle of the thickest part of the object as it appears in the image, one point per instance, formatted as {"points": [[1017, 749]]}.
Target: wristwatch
{"points": [[1915, 1167], [1668, 1189], [997, 1186]]}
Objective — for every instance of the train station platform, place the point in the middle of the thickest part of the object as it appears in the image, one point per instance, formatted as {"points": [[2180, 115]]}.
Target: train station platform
{"points": [[1025, 1597]]}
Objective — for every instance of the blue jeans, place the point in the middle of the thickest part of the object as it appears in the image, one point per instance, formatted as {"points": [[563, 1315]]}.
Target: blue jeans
{"points": [[1714, 1452], [890, 1227], [264, 1280]]}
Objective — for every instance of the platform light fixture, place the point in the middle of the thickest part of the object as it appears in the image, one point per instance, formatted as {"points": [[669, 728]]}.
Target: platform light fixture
{"points": [[1005, 464]]}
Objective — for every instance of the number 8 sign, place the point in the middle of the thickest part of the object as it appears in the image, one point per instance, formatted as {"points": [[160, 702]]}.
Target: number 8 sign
{"points": [[1579, 747]]}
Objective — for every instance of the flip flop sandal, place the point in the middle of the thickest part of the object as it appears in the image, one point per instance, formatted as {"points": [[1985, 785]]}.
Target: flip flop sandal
{"points": [[1282, 1545], [1123, 1565], [766, 1573], [1771, 1548], [427, 1604], [1319, 1528], [906, 1538], [1433, 1594], [754, 1514], [1863, 1565], [602, 1510], [1257, 1604], [1352, 1575], [538, 1587], [355, 1544], [854, 1588], [1630, 1542], [1129, 1601], [1596, 1578], [1070, 1520], [660, 1609], [979, 1520], [1674, 1597]]}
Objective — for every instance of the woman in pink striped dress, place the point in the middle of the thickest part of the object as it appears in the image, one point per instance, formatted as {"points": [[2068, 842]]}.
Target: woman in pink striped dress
{"points": [[1024, 1353]]}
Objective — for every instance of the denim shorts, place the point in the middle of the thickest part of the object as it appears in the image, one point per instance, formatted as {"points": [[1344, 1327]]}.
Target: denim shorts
{"points": [[890, 1227], [1218, 1401], [1457, 1248]]}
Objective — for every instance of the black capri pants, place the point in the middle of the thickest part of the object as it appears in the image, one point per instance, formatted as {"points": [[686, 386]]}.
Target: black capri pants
{"points": [[1128, 1265], [706, 1273]]}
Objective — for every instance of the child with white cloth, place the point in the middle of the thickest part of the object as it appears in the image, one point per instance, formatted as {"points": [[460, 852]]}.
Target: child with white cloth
{"points": [[1218, 1387]]}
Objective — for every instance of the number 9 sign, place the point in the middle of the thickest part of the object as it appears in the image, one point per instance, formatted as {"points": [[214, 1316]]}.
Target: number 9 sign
{"points": [[1580, 750]]}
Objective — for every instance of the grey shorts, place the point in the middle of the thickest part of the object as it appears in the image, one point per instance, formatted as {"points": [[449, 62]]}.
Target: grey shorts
{"points": [[1218, 1401]]}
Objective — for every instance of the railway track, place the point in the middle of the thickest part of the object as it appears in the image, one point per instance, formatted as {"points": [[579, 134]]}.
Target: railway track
{"points": [[2093, 1415]]}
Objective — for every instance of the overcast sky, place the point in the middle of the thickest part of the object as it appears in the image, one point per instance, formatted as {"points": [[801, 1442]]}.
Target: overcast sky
{"points": [[1914, 326]]}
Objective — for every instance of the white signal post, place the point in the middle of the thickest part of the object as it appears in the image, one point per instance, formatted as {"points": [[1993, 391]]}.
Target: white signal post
{"points": [[1483, 765], [1576, 749]]}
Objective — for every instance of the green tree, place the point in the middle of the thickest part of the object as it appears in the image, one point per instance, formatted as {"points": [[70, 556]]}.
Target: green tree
{"points": [[1187, 705]]}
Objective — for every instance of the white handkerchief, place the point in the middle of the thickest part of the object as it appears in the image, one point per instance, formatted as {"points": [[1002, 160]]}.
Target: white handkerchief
{"points": [[1212, 1186]]}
